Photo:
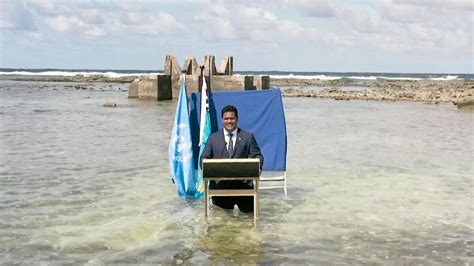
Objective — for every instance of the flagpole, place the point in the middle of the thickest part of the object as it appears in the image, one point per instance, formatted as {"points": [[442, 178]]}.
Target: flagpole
{"points": [[200, 78], [204, 130], [210, 74]]}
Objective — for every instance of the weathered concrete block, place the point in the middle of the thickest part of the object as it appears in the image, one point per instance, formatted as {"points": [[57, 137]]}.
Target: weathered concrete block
{"points": [[133, 89], [230, 83], [192, 84], [191, 66], [261, 82], [164, 88], [148, 89], [172, 67], [167, 86], [175, 85], [209, 65], [227, 66], [155, 88], [248, 81]]}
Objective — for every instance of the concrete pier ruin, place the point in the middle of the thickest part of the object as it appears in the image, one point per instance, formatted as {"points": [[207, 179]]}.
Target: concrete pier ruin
{"points": [[167, 85]]}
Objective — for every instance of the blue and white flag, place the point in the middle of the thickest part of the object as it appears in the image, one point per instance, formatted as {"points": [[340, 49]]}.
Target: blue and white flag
{"points": [[204, 132], [181, 149]]}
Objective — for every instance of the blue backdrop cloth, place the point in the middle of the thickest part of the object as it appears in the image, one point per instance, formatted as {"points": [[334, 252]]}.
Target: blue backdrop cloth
{"points": [[260, 112]]}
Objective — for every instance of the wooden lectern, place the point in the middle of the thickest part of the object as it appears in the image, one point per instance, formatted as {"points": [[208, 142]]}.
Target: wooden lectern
{"points": [[231, 169]]}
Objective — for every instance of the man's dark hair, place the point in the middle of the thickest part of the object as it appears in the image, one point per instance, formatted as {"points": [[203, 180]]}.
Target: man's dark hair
{"points": [[230, 108]]}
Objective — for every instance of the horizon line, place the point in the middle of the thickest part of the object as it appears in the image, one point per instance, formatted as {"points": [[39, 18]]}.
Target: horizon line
{"points": [[285, 71]]}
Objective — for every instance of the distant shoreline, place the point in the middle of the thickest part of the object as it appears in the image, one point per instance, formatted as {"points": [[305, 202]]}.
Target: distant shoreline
{"points": [[430, 91]]}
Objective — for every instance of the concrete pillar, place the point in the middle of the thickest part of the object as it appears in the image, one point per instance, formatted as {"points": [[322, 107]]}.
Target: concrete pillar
{"points": [[164, 88], [232, 83], [154, 88], [133, 89], [191, 66], [172, 67], [173, 70], [227, 66], [248, 81], [192, 83], [261, 82], [209, 65], [167, 86]]}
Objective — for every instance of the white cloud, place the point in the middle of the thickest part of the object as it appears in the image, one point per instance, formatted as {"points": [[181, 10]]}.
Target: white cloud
{"points": [[313, 8], [248, 23], [45, 7], [155, 24], [97, 19], [385, 26], [14, 16], [464, 5], [381, 26], [64, 24]]}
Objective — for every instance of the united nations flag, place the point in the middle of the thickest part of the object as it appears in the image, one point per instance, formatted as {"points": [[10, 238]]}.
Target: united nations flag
{"points": [[181, 149]]}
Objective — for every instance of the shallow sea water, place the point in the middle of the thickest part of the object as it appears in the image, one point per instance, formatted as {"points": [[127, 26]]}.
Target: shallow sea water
{"points": [[368, 183]]}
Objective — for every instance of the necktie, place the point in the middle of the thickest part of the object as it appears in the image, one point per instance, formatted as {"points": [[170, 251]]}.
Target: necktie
{"points": [[230, 148]]}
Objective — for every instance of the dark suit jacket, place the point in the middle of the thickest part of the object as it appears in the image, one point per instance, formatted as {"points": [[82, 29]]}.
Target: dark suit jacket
{"points": [[245, 147]]}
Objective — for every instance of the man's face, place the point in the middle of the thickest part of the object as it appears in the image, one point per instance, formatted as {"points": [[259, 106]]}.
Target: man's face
{"points": [[229, 121]]}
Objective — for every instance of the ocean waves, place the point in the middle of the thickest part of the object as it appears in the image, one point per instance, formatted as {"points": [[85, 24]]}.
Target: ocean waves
{"points": [[325, 76]]}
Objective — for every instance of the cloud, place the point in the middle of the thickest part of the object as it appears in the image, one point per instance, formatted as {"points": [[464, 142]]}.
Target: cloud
{"points": [[463, 5], [387, 26], [155, 25], [382, 28], [313, 8], [251, 23], [14, 16], [88, 19]]}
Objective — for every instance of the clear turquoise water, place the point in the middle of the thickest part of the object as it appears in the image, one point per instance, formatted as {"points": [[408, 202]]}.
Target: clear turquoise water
{"points": [[369, 182]]}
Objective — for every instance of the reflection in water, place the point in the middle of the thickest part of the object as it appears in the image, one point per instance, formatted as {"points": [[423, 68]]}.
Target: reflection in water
{"points": [[368, 182]]}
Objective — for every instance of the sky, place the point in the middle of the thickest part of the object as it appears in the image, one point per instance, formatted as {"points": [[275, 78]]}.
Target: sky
{"points": [[403, 36]]}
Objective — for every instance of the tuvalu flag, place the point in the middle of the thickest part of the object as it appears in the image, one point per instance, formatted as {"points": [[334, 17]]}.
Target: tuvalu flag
{"points": [[204, 132], [181, 150]]}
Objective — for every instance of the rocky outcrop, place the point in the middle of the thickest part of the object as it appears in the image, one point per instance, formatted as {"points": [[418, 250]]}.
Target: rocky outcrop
{"points": [[455, 91], [110, 104], [76, 78], [466, 103]]}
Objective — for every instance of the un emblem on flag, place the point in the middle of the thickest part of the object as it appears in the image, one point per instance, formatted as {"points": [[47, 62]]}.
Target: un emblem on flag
{"points": [[181, 143]]}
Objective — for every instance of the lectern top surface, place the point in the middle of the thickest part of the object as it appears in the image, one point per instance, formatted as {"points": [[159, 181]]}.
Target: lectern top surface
{"points": [[213, 168], [236, 160]]}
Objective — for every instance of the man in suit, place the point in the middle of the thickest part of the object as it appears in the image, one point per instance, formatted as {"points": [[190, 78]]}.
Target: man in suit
{"points": [[232, 142]]}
